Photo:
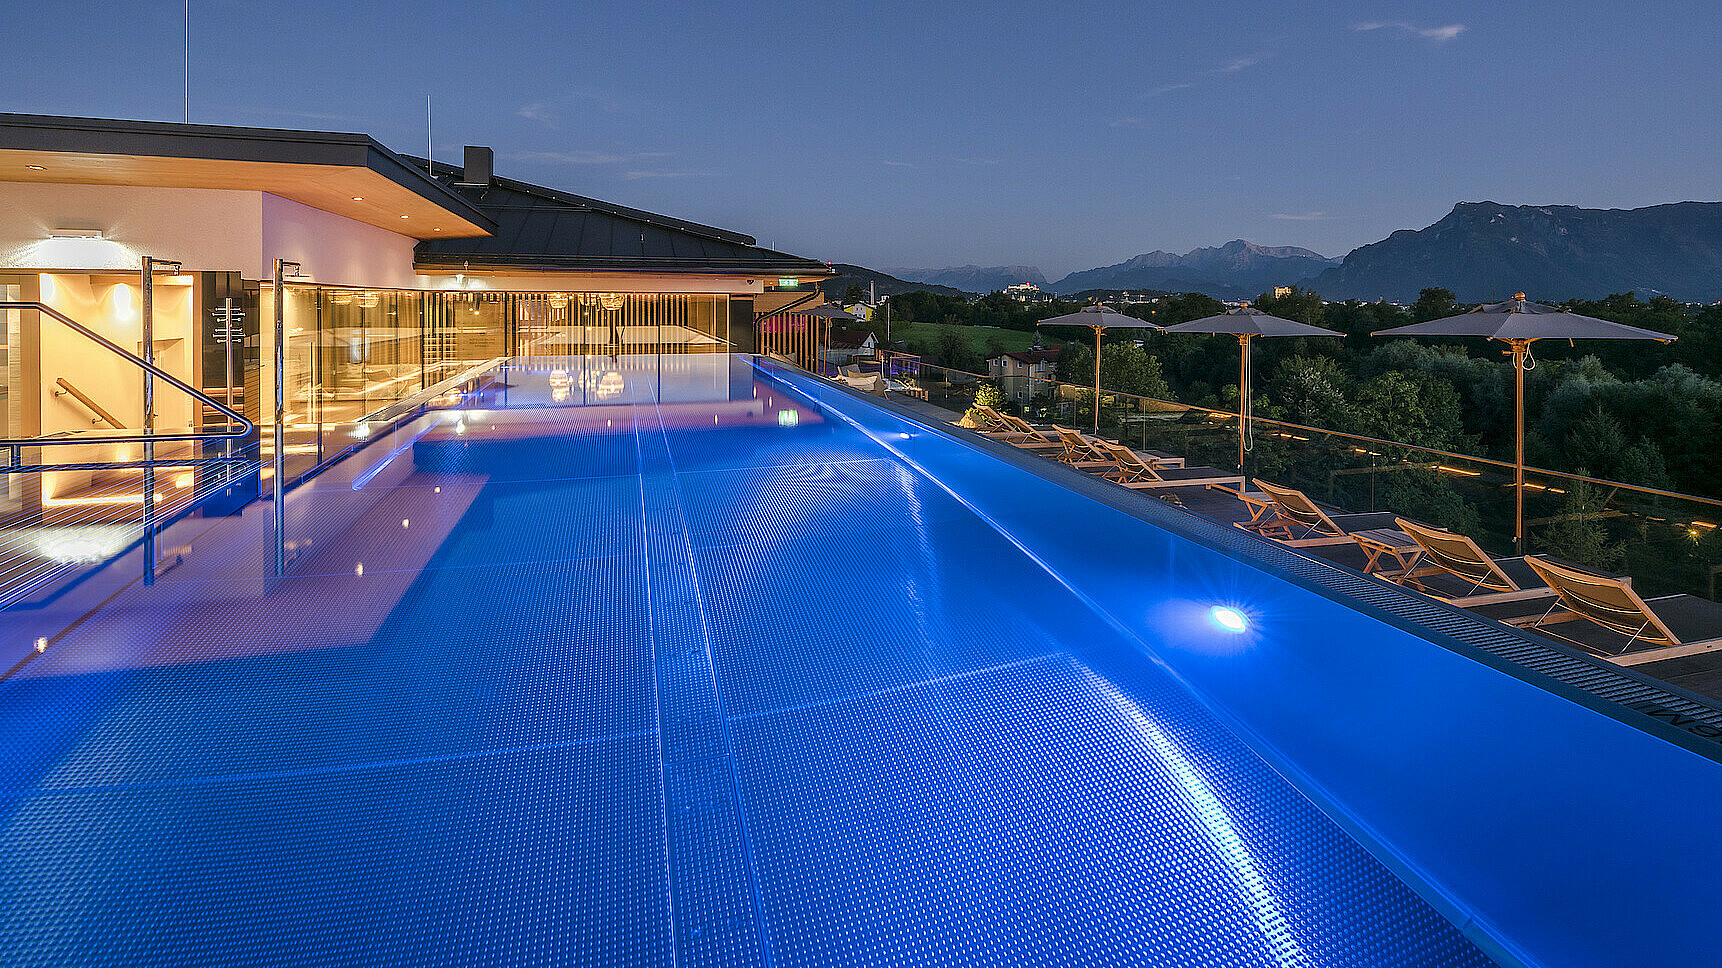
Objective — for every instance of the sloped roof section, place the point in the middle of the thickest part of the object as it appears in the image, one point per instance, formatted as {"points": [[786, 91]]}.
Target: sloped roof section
{"points": [[545, 230]]}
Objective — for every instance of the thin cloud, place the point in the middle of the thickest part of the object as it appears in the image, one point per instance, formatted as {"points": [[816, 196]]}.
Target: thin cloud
{"points": [[1437, 34], [1308, 216], [635, 175], [538, 112], [1168, 89], [1237, 64], [582, 157], [897, 164], [1134, 123], [267, 111], [977, 161], [570, 157]]}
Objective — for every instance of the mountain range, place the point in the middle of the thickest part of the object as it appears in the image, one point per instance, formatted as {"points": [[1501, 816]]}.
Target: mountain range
{"points": [[973, 278], [1485, 252], [1482, 251], [1236, 270]]}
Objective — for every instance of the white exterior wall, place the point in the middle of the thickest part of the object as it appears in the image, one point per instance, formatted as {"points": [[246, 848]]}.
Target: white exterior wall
{"points": [[203, 228], [332, 249], [206, 229]]}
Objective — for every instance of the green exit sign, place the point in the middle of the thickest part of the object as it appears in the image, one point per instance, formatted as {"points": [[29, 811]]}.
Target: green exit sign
{"points": [[788, 283]]}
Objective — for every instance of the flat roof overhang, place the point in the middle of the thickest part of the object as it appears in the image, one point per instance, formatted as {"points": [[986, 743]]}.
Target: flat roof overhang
{"points": [[350, 175]]}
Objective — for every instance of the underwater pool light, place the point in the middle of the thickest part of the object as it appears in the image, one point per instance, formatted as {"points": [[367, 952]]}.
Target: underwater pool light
{"points": [[1228, 618]]}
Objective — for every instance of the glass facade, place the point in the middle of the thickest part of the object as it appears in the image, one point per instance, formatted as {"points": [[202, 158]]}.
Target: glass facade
{"points": [[348, 354], [352, 352], [563, 324]]}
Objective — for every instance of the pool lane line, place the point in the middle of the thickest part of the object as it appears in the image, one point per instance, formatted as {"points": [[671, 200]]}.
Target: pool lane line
{"points": [[736, 800], [664, 817], [905, 687], [331, 769]]}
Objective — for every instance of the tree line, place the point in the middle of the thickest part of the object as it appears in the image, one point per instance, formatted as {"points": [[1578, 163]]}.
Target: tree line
{"points": [[1640, 412]]}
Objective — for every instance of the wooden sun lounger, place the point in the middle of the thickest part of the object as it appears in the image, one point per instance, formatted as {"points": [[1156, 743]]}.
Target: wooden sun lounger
{"points": [[1605, 609], [1081, 452], [1134, 472], [1015, 431], [1299, 522], [1452, 567]]}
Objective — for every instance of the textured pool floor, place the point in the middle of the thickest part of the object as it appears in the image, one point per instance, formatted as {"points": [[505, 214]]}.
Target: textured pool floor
{"points": [[737, 697]]}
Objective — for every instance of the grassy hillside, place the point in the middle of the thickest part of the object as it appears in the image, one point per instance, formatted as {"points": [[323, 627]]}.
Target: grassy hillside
{"points": [[925, 338]]}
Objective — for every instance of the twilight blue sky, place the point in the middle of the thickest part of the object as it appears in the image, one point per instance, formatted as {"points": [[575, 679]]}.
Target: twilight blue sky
{"points": [[940, 133]]}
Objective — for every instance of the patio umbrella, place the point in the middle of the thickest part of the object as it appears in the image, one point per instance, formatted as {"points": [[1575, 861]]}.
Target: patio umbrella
{"points": [[1099, 318], [1519, 324], [833, 311], [829, 313], [1246, 324]]}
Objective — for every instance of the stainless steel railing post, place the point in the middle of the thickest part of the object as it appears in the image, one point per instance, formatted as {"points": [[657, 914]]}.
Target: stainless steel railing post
{"points": [[278, 487], [149, 267], [148, 299]]}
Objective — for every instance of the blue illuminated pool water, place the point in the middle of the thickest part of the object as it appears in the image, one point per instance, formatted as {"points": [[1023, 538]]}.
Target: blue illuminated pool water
{"points": [[696, 670]]}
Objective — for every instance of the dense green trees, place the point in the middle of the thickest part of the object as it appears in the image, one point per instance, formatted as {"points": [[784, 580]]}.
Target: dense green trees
{"points": [[1127, 368], [1299, 304], [1637, 411], [995, 309]]}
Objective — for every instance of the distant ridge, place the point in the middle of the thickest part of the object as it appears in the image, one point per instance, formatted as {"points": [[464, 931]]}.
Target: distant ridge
{"points": [[1236, 270], [1484, 251], [883, 283], [979, 279]]}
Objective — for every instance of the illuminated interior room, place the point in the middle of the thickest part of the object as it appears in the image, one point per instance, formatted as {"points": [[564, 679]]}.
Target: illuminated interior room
{"points": [[401, 274]]}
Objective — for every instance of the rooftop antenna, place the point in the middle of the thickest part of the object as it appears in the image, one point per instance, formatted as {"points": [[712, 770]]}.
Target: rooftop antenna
{"points": [[429, 168], [187, 60]]}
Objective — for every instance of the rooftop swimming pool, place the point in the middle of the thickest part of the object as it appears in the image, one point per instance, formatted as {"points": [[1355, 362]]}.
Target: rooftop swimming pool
{"points": [[694, 660]]}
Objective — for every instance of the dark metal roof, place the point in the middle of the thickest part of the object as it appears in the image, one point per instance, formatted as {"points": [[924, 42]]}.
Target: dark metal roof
{"points": [[548, 230], [168, 139]]}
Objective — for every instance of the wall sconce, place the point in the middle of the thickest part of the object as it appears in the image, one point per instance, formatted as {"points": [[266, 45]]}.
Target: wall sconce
{"points": [[124, 303]]}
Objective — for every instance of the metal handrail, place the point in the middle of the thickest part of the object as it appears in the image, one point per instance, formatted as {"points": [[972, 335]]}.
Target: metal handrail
{"points": [[84, 398], [1362, 439], [245, 429]]}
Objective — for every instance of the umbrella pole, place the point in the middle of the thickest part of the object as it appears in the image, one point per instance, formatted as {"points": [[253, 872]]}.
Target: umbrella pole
{"points": [[1243, 395], [1097, 330], [1518, 346]]}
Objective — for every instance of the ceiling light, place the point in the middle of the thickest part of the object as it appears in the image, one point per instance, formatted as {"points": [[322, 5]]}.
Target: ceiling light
{"points": [[70, 232], [406, 216], [35, 167], [358, 198]]}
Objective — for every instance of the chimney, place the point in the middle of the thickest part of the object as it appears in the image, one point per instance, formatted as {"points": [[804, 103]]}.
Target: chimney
{"points": [[479, 162]]}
